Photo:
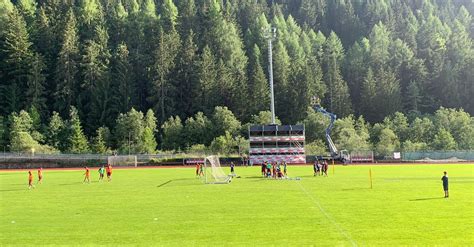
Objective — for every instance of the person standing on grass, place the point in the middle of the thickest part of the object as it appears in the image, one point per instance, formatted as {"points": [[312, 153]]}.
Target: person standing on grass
{"points": [[232, 172], [198, 168], [30, 180], [264, 167], [326, 167], [87, 175], [274, 170], [101, 173], [109, 172], [445, 184], [269, 169], [40, 175], [315, 168], [284, 168], [201, 170]]}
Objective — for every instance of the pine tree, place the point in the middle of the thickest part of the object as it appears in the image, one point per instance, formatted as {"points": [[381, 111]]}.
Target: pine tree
{"points": [[148, 141], [187, 16], [186, 75], [56, 131], [96, 79], [355, 70], [150, 120], [99, 142], [27, 8], [76, 140], [67, 66], [379, 46], [45, 42], [169, 14], [368, 94], [412, 101], [128, 132], [388, 99], [224, 39], [90, 16], [6, 6], [338, 93], [162, 97], [124, 91], [207, 71], [16, 49], [35, 92], [259, 90]]}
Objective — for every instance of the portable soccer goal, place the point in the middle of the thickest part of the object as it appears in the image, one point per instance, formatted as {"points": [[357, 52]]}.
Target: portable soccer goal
{"points": [[122, 160], [213, 172]]}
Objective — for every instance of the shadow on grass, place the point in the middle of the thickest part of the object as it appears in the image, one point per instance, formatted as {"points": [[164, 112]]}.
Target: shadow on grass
{"points": [[426, 199], [165, 183], [174, 180], [75, 183], [14, 190], [254, 177]]}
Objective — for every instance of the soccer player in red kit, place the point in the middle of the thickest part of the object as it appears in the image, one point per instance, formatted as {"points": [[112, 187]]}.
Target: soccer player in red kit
{"points": [[109, 172]]}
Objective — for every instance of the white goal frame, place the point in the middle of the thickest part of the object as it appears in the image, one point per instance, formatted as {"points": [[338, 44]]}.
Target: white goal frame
{"points": [[213, 172]]}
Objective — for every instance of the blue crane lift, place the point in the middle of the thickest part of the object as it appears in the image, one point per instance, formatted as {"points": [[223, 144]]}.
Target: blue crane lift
{"points": [[340, 155]]}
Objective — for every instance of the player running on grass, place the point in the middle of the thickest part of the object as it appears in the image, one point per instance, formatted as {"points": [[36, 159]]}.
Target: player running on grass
{"points": [[40, 175], [87, 175], [30, 180], [109, 172]]}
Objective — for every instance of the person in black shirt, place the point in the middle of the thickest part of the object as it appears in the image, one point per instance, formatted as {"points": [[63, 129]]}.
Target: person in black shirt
{"points": [[445, 184]]}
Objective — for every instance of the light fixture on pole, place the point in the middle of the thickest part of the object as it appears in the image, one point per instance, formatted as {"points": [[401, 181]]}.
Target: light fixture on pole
{"points": [[270, 35]]}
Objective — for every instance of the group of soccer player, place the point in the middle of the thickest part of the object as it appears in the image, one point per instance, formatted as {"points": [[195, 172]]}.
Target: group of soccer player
{"points": [[199, 170], [30, 178], [320, 168], [274, 170], [107, 169]]}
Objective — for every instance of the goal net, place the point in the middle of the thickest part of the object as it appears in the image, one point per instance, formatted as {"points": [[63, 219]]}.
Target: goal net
{"points": [[122, 160], [213, 172]]}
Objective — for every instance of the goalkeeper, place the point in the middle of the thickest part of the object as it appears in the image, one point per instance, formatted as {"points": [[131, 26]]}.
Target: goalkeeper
{"points": [[232, 171]]}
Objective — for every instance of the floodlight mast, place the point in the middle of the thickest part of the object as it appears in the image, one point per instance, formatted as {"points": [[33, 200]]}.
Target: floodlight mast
{"points": [[270, 35]]}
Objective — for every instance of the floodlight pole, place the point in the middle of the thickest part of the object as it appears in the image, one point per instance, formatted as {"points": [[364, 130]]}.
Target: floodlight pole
{"points": [[270, 35]]}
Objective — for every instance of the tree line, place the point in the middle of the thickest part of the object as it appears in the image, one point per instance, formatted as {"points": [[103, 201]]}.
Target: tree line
{"points": [[98, 59], [134, 133]]}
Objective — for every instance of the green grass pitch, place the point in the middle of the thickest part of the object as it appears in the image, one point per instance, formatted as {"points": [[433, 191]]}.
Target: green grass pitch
{"points": [[170, 206]]}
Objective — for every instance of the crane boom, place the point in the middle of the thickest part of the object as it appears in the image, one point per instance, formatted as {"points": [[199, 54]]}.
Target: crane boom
{"points": [[332, 117]]}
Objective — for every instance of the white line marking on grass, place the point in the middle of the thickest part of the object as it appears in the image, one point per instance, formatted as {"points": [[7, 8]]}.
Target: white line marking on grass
{"points": [[328, 216]]}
